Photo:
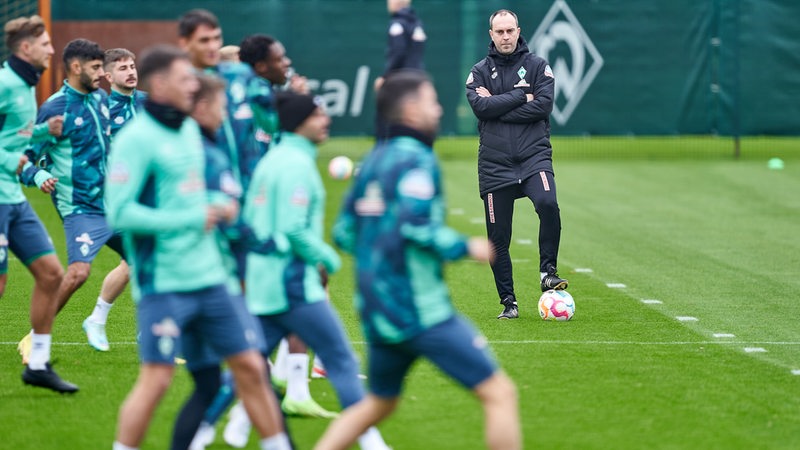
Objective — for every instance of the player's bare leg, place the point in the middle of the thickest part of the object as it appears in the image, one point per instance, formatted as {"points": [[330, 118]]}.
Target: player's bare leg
{"points": [[137, 410], [47, 274], [250, 372], [354, 421], [501, 414], [77, 274]]}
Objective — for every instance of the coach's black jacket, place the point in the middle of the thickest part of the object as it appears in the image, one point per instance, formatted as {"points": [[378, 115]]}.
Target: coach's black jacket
{"points": [[514, 133]]}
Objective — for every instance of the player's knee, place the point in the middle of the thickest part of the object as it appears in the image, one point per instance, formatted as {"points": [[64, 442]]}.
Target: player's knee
{"points": [[49, 275], [249, 369], [497, 390], [79, 272]]}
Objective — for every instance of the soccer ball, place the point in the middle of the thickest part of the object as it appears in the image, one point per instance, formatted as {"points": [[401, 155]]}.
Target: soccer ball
{"points": [[556, 305], [340, 168]]}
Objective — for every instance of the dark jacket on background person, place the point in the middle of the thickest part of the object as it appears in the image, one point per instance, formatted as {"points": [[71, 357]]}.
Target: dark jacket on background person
{"points": [[514, 133], [406, 43]]}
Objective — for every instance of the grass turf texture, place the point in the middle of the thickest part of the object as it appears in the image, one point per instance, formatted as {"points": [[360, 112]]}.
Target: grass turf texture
{"points": [[677, 220]]}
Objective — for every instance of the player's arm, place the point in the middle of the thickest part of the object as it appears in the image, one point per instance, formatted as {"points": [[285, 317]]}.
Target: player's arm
{"points": [[344, 229], [295, 217], [418, 202], [542, 104], [261, 101], [494, 105], [131, 167], [49, 121]]}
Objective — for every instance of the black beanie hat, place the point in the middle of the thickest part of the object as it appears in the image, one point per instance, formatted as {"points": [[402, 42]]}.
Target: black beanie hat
{"points": [[293, 109]]}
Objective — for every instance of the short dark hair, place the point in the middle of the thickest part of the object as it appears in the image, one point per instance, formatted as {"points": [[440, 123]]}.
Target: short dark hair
{"points": [[399, 87], [210, 85], [83, 50], [188, 23], [255, 48], [158, 59], [113, 55], [503, 12], [21, 28]]}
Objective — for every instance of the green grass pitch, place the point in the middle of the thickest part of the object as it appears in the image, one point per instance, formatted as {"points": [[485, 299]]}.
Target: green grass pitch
{"points": [[678, 222]]}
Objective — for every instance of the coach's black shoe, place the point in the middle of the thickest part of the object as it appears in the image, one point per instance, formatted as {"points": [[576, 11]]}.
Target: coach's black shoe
{"points": [[510, 310], [47, 378], [552, 281]]}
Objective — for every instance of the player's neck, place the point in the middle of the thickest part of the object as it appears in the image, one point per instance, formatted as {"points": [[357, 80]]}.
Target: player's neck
{"points": [[126, 91]]}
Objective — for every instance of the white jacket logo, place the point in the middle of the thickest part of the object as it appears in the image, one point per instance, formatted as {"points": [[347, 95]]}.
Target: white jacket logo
{"points": [[560, 26]]}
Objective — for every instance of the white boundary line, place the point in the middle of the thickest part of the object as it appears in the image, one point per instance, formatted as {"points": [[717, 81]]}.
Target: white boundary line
{"points": [[536, 341]]}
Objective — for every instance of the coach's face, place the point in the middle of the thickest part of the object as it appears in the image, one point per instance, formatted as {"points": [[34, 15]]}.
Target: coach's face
{"points": [[178, 85], [203, 46], [504, 33]]}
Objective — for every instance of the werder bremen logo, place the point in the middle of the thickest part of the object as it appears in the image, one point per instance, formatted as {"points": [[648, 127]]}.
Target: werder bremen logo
{"points": [[562, 41]]}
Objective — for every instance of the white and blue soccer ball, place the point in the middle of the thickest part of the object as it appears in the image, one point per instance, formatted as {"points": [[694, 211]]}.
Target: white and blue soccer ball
{"points": [[556, 305], [340, 168]]}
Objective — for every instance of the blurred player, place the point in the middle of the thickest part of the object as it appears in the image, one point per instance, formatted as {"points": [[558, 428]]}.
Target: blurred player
{"points": [[75, 170], [21, 231], [124, 100], [156, 195], [284, 291], [393, 222]]}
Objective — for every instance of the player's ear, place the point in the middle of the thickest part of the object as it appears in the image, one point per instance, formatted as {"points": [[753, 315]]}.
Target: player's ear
{"points": [[75, 66]]}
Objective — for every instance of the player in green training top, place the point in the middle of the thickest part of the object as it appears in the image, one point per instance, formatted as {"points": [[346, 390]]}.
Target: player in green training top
{"points": [[156, 196], [393, 222], [21, 231]]}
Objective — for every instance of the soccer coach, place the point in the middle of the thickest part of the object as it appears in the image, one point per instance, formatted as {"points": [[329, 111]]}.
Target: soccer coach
{"points": [[511, 93]]}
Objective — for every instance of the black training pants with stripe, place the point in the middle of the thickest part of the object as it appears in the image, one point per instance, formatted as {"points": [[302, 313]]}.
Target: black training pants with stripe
{"points": [[498, 205]]}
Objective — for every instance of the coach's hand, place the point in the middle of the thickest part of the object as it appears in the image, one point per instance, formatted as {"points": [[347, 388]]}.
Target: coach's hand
{"points": [[482, 92]]}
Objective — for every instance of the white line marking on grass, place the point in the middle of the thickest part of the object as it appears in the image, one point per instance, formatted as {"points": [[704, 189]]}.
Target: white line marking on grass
{"points": [[520, 260], [651, 301], [755, 350], [543, 341], [795, 371], [686, 319], [457, 211], [583, 270], [723, 335], [616, 285], [477, 220], [524, 241]]}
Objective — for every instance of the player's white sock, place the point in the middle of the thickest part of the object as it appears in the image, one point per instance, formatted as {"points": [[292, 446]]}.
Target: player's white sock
{"points": [[100, 312], [40, 351], [118, 446], [297, 383], [372, 440], [280, 367], [542, 274], [278, 442]]}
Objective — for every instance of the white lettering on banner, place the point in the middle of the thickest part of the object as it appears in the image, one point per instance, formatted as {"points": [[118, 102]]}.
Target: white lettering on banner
{"points": [[560, 26], [336, 93]]}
